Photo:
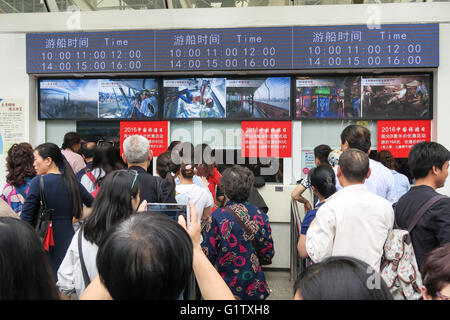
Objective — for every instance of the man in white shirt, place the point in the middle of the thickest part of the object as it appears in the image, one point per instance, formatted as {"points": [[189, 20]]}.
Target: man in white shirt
{"points": [[381, 180], [354, 221]]}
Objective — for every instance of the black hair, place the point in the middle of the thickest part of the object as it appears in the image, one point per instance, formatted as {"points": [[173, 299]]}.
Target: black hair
{"points": [[321, 152], [147, 256], [323, 179], [165, 167], [358, 137], [70, 139], [183, 155], [51, 150], [86, 151], [237, 183], [203, 159], [173, 144], [341, 278], [354, 165], [104, 158], [424, 155], [25, 271], [112, 204]]}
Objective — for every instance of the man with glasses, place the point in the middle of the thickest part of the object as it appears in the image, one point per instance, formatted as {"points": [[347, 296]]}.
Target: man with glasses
{"points": [[138, 156]]}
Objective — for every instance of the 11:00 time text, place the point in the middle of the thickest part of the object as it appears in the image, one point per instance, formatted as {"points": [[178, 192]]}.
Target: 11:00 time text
{"points": [[95, 60]]}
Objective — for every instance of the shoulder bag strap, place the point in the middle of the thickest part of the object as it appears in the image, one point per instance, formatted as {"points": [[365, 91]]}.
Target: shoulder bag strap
{"points": [[86, 279], [423, 209], [41, 183], [92, 178], [158, 190], [244, 227]]}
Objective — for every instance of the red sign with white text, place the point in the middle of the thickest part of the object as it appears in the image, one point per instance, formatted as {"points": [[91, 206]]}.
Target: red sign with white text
{"points": [[156, 132], [264, 139], [399, 136]]}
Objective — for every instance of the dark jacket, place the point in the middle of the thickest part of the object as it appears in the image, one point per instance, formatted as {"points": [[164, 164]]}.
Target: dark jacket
{"points": [[57, 197], [150, 185], [433, 229]]}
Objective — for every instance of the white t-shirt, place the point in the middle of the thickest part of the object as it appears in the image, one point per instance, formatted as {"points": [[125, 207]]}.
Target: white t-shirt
{"points": [[200, 196], [352, 222], [70, 275]]}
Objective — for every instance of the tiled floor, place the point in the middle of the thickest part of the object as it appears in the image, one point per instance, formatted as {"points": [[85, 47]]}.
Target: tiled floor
{"points": [[280, 285]]}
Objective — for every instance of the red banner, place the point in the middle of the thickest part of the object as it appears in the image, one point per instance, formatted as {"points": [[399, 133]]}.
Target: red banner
{"points": [[157, 133], [399, 136], [265, 139]]}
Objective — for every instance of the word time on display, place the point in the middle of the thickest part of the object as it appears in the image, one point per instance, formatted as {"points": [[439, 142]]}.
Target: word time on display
{"points": [[277, 48], [224, 49], [122, 51], [360, 47]]}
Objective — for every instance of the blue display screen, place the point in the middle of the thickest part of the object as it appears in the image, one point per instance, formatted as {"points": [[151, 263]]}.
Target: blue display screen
{"points": [[277, 48]]}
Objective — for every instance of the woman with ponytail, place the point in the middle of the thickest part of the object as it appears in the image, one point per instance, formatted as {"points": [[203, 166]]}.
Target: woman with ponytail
{"points": [[323, 184], [200, 196], [63, 194]]}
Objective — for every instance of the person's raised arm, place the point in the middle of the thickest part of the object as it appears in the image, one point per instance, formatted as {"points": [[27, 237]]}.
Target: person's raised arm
{"points": [[211, 284], [297, 195]]}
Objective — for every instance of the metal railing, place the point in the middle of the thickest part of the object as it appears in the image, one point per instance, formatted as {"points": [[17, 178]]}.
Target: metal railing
{"points": [[297, 264]]}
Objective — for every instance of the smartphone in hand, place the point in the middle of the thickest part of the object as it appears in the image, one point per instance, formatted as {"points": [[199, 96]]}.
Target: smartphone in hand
{"points": [[173, 210]]}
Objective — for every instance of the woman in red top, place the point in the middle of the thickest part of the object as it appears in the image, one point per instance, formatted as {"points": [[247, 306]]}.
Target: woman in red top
{"points": [[206, 167]]}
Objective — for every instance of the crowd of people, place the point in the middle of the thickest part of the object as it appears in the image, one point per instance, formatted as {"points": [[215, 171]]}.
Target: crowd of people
{"points": [[103, 241]]}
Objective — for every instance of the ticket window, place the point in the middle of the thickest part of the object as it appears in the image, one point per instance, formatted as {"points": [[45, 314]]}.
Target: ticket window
{"points": [[328, 132], [224, 138]]}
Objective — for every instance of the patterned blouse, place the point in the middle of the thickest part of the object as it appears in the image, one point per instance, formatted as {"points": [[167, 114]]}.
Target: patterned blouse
{"points": [[235, 257], [14, 196]]}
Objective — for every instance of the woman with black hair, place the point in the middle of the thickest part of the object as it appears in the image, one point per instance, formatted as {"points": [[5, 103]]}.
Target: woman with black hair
{"points": [[63, 194], [117, 199], [104, 161], [323, 184], [25, 272], [167, 169]]}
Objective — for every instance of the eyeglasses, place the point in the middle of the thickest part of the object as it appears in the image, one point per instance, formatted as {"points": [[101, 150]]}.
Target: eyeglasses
{"points": [[104, 141], [443, 297]]}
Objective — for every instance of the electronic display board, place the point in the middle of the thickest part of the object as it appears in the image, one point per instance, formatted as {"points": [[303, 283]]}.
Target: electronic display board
{"points": [[390, 46], [98, 99], [99, 130], [328, 97], [396, 96], [271, 48], [266, 98], [371, 97], [194, 98]]}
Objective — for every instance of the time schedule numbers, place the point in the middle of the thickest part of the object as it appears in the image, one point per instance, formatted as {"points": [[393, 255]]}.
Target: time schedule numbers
{"points": [[361, 47], [90, 52], [267, 48], [375, 55], [93, 61], [224, 50]]}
